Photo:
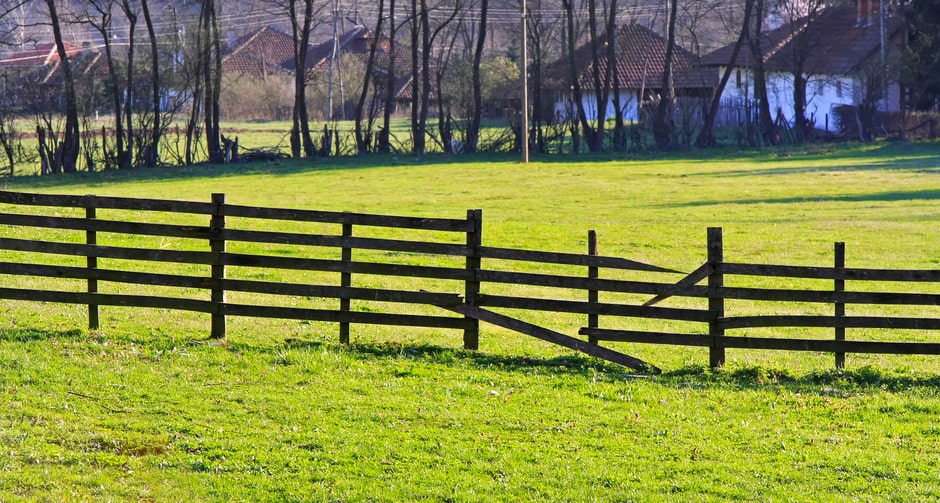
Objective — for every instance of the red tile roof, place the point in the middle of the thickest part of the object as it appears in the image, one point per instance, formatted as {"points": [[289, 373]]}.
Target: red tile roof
{"points": [[834, 43], [40, 55], [264, 52], [641, 61]]}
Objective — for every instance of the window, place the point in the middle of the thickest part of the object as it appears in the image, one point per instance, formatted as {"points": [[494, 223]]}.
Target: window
{"points": [[737, 78], [838, 88]]}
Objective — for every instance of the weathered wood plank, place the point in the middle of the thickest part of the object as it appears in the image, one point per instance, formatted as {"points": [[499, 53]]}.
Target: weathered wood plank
{"points": [[103, 299], [807, 272], [570, 259], [552, 336], [820, 345], [117, 203], [117, 276], [673, 339], [339, 292], [886, 322], [583, 307], [291, 238], [582, 283], [830, 297], [364, 318], [98, 225], [325, 265], [339, 217], [82, 250]]}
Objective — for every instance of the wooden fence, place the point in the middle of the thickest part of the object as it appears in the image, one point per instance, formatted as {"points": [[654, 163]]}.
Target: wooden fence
{"points": [[446, 267]]}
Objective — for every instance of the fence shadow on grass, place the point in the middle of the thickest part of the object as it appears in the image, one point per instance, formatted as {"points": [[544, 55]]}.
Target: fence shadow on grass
{"points": [[428, 353], [32, 334], [831, 382], [751, 377], [828, 382]]}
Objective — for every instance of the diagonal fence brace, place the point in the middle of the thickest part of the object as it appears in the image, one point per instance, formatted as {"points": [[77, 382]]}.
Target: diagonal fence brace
{"points": [[552, 336], [684, 284]]}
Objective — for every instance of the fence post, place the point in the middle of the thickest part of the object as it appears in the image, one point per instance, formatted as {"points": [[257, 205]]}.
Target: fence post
{"points": [[471, 334], [592, 292], [217, 247], [91, 239], [716, 304], [345, 282], [839, 285]]}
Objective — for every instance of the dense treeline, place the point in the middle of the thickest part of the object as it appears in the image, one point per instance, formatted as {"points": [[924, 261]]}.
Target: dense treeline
{"points": [[126, 83]]}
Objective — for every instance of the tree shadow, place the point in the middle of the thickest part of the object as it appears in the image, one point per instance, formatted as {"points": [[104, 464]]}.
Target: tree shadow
{"points": [[892, 196]]}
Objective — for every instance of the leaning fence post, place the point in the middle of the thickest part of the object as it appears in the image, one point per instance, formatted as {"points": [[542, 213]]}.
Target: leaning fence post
{"points": [[592, 292], [217, 247], [345, 282], [716, 303], [839, 285], [471, 334], [91, 239]]}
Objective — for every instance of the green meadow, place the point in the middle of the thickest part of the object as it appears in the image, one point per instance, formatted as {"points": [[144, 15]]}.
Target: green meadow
{"points": [[147, 408]]}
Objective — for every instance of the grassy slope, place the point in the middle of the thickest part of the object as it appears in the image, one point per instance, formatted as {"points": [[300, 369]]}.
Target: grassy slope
{"points": [[145, 410]]}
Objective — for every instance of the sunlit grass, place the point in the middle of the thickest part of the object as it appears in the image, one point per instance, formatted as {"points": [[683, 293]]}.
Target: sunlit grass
{"points": [[147, 408]]}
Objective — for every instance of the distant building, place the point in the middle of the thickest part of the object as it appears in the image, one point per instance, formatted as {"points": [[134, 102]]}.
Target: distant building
{"points": [[640, 63], [845, 50], [32, 80]]}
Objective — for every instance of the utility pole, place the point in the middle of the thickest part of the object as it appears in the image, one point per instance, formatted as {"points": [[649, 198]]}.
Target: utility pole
{"points": [[525, 88]]}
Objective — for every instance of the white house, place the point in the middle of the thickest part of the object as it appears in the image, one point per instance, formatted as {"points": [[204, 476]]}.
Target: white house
{"points": [[846, 53], [640, 62]]}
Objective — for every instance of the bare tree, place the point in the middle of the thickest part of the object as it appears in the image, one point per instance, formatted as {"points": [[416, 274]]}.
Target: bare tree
{"points": [[65, 158], [364, 139], [473, 130], [663, 129], [213, 72], [151, 149], [302, 23], [706, 136], [99, 14], [800, 15], [384, 141], [601, 74], [768, 130]]}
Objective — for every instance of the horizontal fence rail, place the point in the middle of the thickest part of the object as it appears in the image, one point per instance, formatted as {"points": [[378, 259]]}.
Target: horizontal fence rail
{"points": [[90, 247]]}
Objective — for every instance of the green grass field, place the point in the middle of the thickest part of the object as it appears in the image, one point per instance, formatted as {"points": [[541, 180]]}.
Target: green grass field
{"points": [[147, 409]]}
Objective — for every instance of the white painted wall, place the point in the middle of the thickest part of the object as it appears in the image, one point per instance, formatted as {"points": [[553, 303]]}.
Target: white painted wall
{"points": [[564, 108], [823, 94]]}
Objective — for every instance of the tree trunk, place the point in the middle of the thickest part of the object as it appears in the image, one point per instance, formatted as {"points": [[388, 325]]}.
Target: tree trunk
{"points": [[384, 141], [706, 137], [663, 130], [765, 120], [473, 131], [363, 141], [152, 153], [67, 158]]}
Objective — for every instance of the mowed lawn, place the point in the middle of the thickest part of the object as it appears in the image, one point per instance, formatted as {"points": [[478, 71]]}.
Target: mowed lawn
{"points": [[147, 409]]}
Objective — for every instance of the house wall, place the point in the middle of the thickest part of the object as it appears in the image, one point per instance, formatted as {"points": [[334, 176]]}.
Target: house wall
{"points": [[823, 94], [564, 108]]}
